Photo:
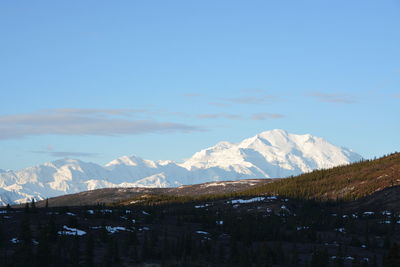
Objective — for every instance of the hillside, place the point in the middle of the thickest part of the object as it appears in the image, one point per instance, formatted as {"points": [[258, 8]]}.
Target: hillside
{"points": [[388, 199], [343, 182], [127, 195]]}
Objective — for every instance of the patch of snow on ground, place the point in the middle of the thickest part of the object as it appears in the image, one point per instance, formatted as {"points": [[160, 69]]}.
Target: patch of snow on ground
{"points": [[302, 228], [202, 232], [368, 213], [14, 240], [201, 206], [113, 230], [244, 201], [71, 231], [106, 211]]}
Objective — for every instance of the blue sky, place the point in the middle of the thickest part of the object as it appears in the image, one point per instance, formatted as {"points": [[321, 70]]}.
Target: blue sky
{"points": [[96, 80]]}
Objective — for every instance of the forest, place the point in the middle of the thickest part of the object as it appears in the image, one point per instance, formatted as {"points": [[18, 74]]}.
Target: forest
{"points": [[258, 231], [310, 220]]}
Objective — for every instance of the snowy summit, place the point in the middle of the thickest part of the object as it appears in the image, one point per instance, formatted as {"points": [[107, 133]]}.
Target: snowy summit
{"points": [[270, 154]]}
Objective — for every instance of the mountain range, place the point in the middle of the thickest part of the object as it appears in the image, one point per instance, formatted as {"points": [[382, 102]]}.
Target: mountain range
{"points": [[270, 154]]}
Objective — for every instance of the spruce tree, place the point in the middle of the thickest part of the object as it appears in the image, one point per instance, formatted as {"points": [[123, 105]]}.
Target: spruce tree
{"points": [[33, 204], [393, 257], [89, 251], [23, 255], [43, 253], [26, 209]]}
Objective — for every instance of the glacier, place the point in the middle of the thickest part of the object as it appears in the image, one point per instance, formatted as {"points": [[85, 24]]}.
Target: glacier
{"points": [[270, 154]]}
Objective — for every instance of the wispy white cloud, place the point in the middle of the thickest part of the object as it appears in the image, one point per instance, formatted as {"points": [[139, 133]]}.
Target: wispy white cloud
{"points": [[266, 116], [251, 100], [256, 116], [192, 95], [252, 91], [218, 116], [83, 111], [66, 154], [333, 98], [105, 122], [219, 104], [254, 99], [246, 96]]}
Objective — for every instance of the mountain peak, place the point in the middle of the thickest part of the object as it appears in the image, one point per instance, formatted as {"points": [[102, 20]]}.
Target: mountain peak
{"points": [[64, 161], [270, 154], [274, 131], [131, 161], [125, 160], [223, 145]]}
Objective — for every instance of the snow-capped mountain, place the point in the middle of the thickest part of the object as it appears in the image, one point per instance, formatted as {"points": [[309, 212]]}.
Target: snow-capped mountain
{"points": [[270, 154]]}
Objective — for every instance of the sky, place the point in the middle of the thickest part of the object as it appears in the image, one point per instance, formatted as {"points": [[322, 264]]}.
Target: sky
{"points": [[96, 80]]}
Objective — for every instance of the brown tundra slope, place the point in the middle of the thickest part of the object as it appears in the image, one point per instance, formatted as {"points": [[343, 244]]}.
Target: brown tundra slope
{"points": [[349, 182], [122, 195]]}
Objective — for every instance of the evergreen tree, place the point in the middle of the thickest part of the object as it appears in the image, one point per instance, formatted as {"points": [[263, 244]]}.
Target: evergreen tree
{"points": [[89, 251], [393, 257], [43, 253], [319, 258], [23, 255], [75, 251], [51, 230], [26, 209], [33, 204], [2, 245]]}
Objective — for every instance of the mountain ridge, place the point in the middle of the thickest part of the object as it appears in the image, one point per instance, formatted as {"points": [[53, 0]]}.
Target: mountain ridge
{"points": [[274, 153]]}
